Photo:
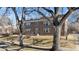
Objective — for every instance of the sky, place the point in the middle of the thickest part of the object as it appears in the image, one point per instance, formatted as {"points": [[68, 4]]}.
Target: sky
{"points": [[11, 15], [33, 15]]}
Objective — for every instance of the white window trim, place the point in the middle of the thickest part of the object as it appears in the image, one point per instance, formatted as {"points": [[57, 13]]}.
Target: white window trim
{"points": [[47, 30]]}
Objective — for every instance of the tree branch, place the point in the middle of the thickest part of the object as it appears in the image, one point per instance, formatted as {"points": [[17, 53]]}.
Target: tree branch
{"points": [[43, 15], [14, 10], [56, 9], [67, 14], [50, 11]]}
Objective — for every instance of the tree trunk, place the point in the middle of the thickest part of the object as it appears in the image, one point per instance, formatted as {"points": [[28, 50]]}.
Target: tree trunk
{"points": [[21, 35], [21, 40], [56, 39]]}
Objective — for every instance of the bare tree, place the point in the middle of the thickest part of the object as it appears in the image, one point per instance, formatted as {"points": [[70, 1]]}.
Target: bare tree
{"points": [[57, 22], [57, 19], [19, 24], [73, 27]]}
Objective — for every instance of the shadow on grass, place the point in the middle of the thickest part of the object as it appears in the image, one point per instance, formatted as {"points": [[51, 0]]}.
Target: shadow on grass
{"points": [[45, 49], [27, 46]]}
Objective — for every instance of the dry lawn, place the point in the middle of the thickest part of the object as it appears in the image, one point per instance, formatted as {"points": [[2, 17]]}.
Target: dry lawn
{"points": [[40, 41], [46, 41]]}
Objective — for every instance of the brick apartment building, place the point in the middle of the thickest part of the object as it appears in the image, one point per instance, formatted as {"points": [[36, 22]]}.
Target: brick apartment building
{"points": [[41, 26]]}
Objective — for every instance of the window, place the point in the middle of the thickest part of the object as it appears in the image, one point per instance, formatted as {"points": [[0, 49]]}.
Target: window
{"points": [[46, 30], [36, 24], [28, 24], [36, 30], [28, 30], [46, 23]]}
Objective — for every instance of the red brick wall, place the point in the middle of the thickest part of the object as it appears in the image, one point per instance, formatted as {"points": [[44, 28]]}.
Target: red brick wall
{"points": [[41, 27]]}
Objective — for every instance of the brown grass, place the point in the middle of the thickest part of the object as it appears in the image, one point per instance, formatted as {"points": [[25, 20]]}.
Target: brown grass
{"points": [[42, 41], [46, 41]]}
